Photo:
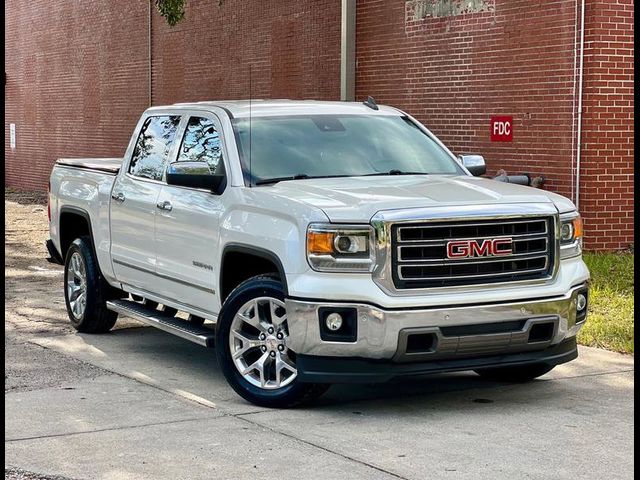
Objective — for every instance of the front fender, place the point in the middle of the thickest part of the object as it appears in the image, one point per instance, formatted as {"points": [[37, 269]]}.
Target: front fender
{"points": [[270, 224]]}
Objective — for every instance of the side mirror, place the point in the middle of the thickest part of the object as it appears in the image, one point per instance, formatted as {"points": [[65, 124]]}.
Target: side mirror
{"points": [[195, 175], [474, 163]]}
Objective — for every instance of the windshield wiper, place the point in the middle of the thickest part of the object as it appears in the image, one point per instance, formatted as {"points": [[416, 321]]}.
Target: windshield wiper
{"points": [[304, 176], [394, 172], [299, 176]]}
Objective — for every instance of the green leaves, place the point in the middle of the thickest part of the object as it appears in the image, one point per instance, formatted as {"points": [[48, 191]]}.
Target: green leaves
{"points": [[171, 10]]}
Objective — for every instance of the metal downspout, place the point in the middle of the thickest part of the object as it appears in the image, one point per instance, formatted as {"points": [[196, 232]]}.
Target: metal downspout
{"points": [[149, 42], [580, 81], [348, 51]]}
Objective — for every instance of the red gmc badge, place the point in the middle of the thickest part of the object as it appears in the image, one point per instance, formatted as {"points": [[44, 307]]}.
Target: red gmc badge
{"points": [[489, 247]]}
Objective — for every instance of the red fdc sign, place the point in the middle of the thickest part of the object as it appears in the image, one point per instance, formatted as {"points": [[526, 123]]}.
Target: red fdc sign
{"points": [[501, 129]]}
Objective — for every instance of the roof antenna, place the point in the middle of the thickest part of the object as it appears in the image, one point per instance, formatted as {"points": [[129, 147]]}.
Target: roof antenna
{"points": [[250, 95], [371, 103]]}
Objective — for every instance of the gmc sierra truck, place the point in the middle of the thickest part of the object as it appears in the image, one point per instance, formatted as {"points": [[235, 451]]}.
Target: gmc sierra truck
{"points": [[315, 243]]}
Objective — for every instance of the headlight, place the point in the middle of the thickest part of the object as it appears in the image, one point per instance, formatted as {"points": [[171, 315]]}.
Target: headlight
{"points": [[570, 235], [340, 248]]}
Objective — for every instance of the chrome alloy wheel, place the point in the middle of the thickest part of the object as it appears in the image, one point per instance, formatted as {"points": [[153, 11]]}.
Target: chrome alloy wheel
{"points": [[258, 343], [77, 285]]}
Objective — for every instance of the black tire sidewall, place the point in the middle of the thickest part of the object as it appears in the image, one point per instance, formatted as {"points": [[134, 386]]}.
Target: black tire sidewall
{"points": [[287, 396]]}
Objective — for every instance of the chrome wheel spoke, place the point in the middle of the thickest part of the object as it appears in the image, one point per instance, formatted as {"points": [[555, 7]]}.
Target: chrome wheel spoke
{"points": [[250, 314], [259, 366], [283, 363], [246, 343], [77, 285], [278, 314], [74, 290]]}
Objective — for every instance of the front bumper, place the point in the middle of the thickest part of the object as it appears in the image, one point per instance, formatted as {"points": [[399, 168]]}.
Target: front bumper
{"points": [[381, 334], [358, 370]]}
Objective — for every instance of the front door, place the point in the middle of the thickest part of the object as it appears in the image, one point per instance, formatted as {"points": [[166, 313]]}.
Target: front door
{"points": [[187, 222], [134, 198]]}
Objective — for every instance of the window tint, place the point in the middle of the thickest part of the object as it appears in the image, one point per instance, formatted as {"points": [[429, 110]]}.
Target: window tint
{"points": [[202, 143], [152, 148]]}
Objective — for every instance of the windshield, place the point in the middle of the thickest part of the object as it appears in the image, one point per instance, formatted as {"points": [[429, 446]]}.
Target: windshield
{"points": [[308, 146]]}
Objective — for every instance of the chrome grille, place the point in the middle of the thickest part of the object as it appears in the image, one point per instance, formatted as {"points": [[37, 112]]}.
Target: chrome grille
{"points": [[419, 252]]}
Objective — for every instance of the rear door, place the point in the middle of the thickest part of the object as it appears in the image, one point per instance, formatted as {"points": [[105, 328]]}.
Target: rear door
{"points": [[133, 201], [187, 227]]}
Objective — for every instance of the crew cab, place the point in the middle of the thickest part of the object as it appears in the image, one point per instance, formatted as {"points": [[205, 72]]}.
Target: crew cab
{"points": [[313, 243]]}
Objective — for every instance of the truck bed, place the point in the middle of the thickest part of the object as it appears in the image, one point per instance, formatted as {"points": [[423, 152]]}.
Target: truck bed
{"points": [[106, 165]]}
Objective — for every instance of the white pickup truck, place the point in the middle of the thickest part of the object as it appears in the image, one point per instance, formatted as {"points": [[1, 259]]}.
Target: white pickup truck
{"points": [[318, 242]]}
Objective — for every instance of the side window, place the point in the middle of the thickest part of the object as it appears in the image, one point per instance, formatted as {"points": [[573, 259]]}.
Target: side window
{"points": [[202, 143], [152, 148]]}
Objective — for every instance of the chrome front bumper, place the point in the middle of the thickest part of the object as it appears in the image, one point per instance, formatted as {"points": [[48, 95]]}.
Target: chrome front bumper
{"points": [[381, 333]]}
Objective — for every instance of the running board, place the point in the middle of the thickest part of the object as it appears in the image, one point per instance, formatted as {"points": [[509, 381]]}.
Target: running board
{"points": [[182, 328]]}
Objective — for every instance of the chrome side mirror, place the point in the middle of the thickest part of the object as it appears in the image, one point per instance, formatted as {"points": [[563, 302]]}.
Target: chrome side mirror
{"points": [[474, 163], [194, 175]]}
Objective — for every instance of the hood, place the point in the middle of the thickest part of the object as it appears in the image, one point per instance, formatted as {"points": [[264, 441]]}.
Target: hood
{"points": [[357, 199]]}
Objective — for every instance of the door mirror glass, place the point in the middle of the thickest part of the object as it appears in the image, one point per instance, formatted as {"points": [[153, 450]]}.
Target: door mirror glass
{"points": [[194, 175], [474, 163]]}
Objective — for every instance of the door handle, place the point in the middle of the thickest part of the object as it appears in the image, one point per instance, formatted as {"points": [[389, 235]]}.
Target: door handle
{"points": [[164, 206], [118, 197]]}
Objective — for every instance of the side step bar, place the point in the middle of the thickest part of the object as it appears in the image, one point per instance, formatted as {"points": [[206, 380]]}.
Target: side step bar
{"points": [[197, 334]]}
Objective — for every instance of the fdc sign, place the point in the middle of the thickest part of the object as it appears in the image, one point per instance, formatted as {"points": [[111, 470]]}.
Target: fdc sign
{"points": [[501, 129]]}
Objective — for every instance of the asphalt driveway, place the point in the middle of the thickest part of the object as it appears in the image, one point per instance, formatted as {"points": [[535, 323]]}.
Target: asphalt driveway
{"points": [[139, 403]]}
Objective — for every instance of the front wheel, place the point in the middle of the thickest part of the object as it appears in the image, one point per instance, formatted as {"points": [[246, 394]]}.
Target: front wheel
{"points": [[252, 346], [516, 374]]}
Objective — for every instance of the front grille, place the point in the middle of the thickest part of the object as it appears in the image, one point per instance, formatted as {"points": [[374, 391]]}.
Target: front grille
{"points": [[419, 252]]}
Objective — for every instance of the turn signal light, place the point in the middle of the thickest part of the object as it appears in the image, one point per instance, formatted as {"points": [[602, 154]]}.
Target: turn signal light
{"points": [[320, 243]]}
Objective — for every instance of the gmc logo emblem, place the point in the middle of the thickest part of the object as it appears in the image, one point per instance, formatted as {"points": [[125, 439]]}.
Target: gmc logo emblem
{"points": [[490, 247]]}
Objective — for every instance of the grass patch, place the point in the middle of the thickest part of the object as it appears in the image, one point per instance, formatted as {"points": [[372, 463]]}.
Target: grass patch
{"points": [[610, 318]]}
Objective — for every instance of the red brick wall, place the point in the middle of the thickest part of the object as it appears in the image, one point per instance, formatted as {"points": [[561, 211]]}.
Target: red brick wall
{"points": [[293, 48], [512, 57], [77, 79], [77, 72], [607, 190], [76, 82]]}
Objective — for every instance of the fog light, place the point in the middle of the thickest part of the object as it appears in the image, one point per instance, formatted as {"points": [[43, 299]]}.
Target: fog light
{"points": [[581, 302], [334, 321], [338, 324]]}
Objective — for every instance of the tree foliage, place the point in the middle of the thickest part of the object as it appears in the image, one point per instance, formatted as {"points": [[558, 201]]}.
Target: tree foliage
{"points": [[171, 10]]}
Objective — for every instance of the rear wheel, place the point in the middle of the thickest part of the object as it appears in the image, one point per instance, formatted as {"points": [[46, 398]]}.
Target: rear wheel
{"points": [[515, 374], [86, 292], [252, 346]]}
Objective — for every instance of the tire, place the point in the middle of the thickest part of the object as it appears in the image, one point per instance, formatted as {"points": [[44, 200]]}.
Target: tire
{"points": [[516, 374], [85, 291], [279, 392]]}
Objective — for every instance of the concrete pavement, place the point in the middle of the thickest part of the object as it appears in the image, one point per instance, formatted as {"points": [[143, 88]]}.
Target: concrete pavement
{"points": [[161, 409]]}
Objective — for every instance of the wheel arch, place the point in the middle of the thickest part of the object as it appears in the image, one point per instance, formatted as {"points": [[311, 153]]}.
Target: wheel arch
{"points": [[67, 236], [235, 250]]}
